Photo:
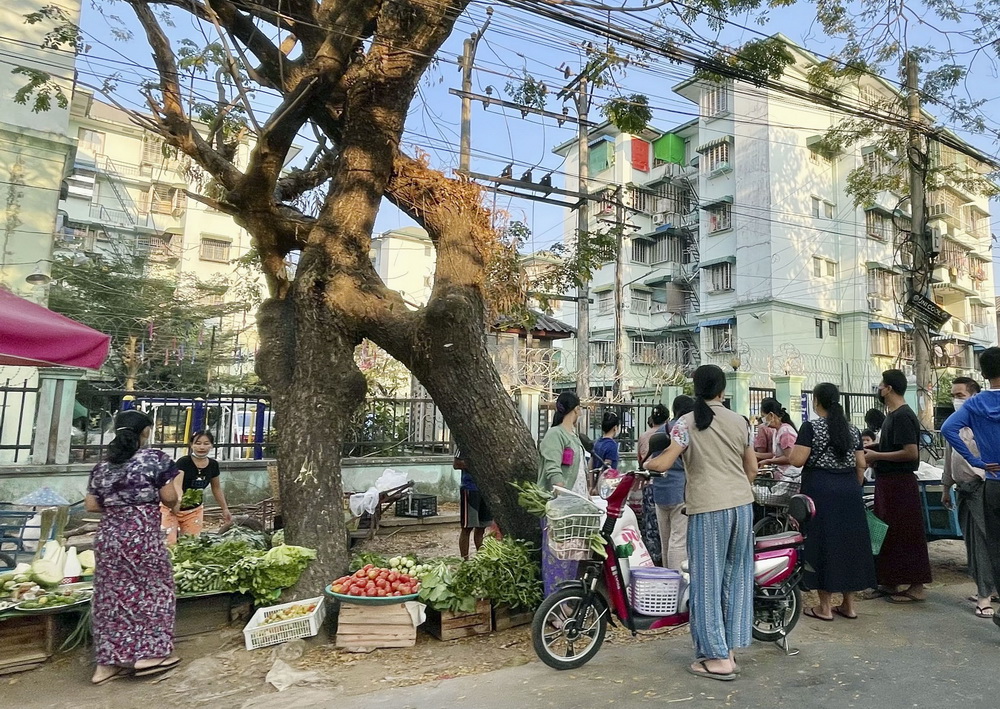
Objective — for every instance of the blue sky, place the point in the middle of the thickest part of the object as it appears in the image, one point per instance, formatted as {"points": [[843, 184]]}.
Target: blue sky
{"points": [[514, 44]]}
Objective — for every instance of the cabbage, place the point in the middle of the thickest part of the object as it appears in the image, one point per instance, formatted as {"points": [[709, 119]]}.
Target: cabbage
{"points": [[47, 573], [86, 559]]}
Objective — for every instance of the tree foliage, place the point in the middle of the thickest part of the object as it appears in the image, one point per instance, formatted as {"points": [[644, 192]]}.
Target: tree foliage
{"points": [[165, 335]]}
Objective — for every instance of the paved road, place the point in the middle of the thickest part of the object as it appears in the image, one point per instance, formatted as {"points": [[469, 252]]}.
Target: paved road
{"points": [[935, 654]]}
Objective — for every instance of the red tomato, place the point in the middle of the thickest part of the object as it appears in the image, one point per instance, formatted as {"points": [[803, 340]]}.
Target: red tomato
{"points": [[394, 585], [380, 593], [361, 574], [366, 567], [404, 590], [393, 576], [353, 591]]}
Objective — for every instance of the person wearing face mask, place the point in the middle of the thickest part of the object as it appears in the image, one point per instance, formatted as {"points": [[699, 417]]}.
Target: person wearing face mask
{"points": [[777, 419], [968, 483], [199, 471], [903, 560]]}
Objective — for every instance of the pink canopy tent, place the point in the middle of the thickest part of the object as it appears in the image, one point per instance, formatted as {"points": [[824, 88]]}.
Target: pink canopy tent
{"points": [[33, 336]]}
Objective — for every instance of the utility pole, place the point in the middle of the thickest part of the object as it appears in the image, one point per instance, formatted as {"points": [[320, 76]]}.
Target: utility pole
{"points": [[582, 97], [619, 294], [923, 263], [466, 61]]}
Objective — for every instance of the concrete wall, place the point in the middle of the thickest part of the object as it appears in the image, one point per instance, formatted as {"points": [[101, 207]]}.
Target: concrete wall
{"points": [[245, 482]]}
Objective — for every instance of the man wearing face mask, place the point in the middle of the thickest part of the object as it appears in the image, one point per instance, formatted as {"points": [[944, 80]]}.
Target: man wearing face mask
{"points": [[968, 483], [902, 566], [982, 414]]}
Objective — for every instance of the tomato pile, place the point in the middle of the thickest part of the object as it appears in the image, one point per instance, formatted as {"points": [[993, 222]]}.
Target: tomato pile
{"points": [[373, 582]]}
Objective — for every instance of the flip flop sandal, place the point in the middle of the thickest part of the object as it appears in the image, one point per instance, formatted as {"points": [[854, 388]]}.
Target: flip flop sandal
{"points": [[903, 599], [708, 674], [118, 674], [161, 666], [839, 611], [985, 612], [811, 613]]}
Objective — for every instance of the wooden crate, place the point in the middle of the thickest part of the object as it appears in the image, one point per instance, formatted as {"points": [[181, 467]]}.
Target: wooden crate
{"points": [[505, 617], [25, 642], [449, 625], [372, 627]]}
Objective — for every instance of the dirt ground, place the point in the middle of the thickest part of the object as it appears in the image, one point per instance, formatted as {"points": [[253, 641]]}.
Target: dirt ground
{"points": [[218, 672]]}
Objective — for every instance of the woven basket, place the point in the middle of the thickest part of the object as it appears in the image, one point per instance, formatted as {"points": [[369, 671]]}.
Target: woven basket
{"points": [[877, 530]]}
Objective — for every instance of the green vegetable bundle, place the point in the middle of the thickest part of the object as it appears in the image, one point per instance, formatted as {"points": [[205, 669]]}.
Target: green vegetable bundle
{"points": [[506, 571], [532, 497], [192, 498], [264, 576]]}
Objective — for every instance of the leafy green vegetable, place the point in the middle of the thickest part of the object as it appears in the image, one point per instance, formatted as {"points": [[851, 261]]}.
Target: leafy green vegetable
{"points": [[532, 497], [278, 538], [364, 558], [443, 590], [506, 571], [266, 575], [257, 540], [192, 498]]}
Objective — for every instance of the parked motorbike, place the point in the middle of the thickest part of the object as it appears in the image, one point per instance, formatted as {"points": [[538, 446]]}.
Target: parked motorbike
{"points": [[569, 627], [778, 567]]}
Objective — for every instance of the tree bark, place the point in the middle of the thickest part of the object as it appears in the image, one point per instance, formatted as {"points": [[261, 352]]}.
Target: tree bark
{"points": [[307, 360]]}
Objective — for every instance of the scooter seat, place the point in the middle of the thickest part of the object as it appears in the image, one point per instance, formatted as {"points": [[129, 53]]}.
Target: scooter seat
{"points": [[777, 541]]}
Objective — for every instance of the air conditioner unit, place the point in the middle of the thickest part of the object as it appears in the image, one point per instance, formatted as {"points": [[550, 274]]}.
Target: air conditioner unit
{"points": [[907, 369], [876, 305], [659, 218]]}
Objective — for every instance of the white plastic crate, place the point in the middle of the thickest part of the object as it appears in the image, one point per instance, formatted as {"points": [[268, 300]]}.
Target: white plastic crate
{"points": [[258, 635], [655, 591]]}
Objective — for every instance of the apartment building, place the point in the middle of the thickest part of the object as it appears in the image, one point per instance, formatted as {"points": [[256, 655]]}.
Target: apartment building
{"points": [[743, 247], [36, 148], [126, 197]]}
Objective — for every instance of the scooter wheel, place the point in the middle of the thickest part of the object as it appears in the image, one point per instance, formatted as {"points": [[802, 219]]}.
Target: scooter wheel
{"points": [[565, 635], [775, 616]]}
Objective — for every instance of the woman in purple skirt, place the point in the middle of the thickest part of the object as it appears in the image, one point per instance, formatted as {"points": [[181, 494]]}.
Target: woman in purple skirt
{"points": [[133, 604]]}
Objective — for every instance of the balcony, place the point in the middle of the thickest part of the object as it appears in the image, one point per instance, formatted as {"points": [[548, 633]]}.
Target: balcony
{"points": [[120, 218], [946, 204]]}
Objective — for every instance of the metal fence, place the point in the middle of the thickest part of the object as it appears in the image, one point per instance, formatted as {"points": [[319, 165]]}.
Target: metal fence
{"points": [[857, 405], [242, 424], [17, 414]]}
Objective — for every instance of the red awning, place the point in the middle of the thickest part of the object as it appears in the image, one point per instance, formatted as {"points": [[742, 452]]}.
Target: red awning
{"points": [[34, 336]]}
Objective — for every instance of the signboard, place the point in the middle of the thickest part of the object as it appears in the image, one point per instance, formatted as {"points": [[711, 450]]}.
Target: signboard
{"points": [[927, 310]]}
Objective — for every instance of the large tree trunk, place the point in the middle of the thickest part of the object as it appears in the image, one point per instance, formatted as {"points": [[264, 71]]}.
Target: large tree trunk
{"points": [[314, 394], [452, 362]]}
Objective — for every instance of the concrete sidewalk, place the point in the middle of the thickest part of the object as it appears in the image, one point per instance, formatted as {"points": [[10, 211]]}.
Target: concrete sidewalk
{"points": [[936, 655]]}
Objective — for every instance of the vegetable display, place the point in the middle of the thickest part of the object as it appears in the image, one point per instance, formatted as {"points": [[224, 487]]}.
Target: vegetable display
{"points": [[236, 561], [54, 600], [374, 582]]}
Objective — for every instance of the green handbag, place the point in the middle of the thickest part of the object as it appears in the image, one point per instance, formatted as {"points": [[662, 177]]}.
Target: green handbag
{"points": [[876, 530]]}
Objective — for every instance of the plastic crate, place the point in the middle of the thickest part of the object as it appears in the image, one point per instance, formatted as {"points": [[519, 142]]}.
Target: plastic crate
{"points": [[258, 635], [417, 505], [655, 591]]}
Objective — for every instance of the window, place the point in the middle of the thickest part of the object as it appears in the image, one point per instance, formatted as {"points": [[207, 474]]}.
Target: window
{"points": [[877, 163], [214, 249], [719, 217], [886, 343], [665, 248], [152, 150], [91, 142], [716, 158], [721, 338], [600, 352], [824, 267], [164, 199], [643, 352], [605, 303], [884, 284], [641, 302], [602, 156], [822, 208], [878, 225], [871, 97], [715, 99], [819, 328], [979, 315], [834, 328], [640, 251], [722, 276]]}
